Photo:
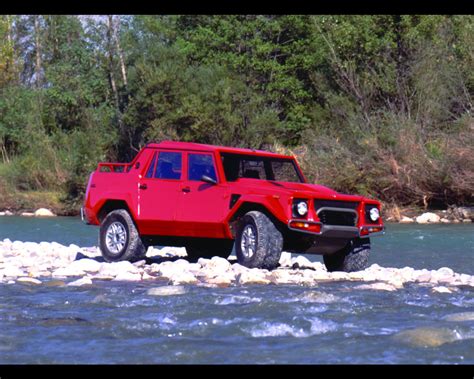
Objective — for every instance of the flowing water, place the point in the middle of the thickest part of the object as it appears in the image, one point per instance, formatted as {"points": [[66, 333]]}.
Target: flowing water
{"points": [[112, 322]]}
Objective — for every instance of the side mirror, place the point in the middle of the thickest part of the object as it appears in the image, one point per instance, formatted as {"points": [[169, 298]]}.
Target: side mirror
{"points": [[208, 179]]}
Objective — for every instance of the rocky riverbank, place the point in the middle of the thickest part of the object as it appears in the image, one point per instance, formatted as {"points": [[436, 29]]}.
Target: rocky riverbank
{"points": [[53, 264]]}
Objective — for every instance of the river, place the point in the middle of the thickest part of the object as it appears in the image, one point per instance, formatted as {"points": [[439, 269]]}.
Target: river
{"points": [[112, 322]]}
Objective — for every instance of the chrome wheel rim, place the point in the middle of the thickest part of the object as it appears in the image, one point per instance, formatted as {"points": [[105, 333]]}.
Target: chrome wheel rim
{"points": [[248, 242], [115, 237]]}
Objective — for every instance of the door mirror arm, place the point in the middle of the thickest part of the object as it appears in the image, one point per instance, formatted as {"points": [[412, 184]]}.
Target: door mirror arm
{"points": [[208, 179]]}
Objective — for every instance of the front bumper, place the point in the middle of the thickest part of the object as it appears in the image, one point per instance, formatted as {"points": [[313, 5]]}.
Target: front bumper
{"points": [[335, 231]]}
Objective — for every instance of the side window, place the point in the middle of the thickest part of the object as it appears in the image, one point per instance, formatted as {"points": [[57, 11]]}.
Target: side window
{"points": [[199, 165], [149, 172], [169, 165]]}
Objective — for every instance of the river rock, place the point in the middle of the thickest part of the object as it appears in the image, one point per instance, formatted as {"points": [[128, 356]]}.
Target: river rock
{"points": [[427, 337], [12, 272], [184, 277], [427, 218], [445, 221], [282, 276], [128, 277], [441, 289], [221, 280], [253, 276], [27, 214], [54, 283], [166, 291], [406, 220], [460, 317], [43, 212], [67, 271], [285, 259], [115, 268], [28, 280], [217, 264], [301, 262], [80, 282], [379, 286], [87, 265]]}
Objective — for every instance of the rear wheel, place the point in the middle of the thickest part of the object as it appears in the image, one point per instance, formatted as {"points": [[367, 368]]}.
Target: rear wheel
{"points": [[119, 239], [353, 257], [258, 243], [209, 248]]}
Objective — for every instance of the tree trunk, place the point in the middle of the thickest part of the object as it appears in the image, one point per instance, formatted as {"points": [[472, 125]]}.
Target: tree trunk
{"points": [[120, 52], [113, 83], [38, 68]]}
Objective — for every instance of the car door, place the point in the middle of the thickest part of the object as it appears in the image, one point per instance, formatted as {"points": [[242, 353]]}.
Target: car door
{"points": [[158, 193], [202, 205]]}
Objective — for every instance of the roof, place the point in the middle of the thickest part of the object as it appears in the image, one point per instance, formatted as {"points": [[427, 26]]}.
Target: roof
{"points": [[212, 148]]}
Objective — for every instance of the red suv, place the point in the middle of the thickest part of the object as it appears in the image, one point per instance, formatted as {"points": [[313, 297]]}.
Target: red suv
{"points": [[210, 198]]}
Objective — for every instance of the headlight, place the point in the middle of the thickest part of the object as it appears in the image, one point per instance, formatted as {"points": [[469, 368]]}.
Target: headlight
{"points": [[374, 214], [302, 208]]}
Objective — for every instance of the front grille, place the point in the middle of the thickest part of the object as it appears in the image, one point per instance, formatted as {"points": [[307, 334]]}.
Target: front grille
{"points": [[335, 204], [340, 218]]}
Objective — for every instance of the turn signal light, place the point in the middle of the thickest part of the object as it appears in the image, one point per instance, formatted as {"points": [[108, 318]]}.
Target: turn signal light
{"points": [[307, 226], [365, 231]]}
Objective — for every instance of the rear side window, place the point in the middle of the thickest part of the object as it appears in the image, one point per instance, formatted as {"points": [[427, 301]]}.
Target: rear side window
{"points": [[169, 165], [199, 165]]}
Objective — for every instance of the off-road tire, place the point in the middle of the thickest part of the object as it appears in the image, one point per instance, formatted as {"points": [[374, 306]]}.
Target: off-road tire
{"points": [[209, 248], [133, 250], [269, 242], [353, 257]]}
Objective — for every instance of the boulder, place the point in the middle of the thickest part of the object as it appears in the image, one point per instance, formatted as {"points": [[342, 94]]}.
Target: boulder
{"points": [[218, 264], [43, 212], [427, 337], [427, 218], [115, 268], [166, 291], [8, 213], [445, 221]]}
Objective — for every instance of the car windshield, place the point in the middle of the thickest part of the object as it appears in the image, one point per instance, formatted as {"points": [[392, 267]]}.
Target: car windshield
{"points": [[256, 167]]}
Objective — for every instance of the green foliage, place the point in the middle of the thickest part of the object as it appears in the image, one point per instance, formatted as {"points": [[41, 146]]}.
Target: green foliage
{"points": [[377, 105]]}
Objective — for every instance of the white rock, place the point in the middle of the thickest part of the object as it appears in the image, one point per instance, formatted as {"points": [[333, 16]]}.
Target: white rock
{"points": [[301, 262], [238, 268], [406, 220], [115, 268], [377, 286], [445, 221], [428, 217], [458, 317], [12, 271], [253, 276], [128, 277], [285, 259], [184, 277], [283, 277], [43, 212], [2, 213], [222, 280], [337, 275], [27, 214], [166, 291], [441, 289], [80, 282], [87, 265], [218, 264], [28, 280], [68, 271]]}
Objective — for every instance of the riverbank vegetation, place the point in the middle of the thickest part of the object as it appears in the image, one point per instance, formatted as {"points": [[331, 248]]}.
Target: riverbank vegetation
{"points": [[376, 105]]}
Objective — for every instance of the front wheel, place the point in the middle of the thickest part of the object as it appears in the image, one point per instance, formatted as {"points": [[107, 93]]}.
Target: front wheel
{"points": [[353, 257], [258, 242], [119, 239]]}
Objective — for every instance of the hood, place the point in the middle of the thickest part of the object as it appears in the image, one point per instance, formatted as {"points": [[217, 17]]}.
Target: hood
{"points": [[297, 189]]}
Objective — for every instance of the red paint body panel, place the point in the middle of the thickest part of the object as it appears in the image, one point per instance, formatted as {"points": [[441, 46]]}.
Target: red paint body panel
{"points": [[193, 208]]}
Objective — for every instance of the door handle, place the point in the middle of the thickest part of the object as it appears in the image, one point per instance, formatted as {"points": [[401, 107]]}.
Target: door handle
{"points": [[143, 186], [186, 189]]}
